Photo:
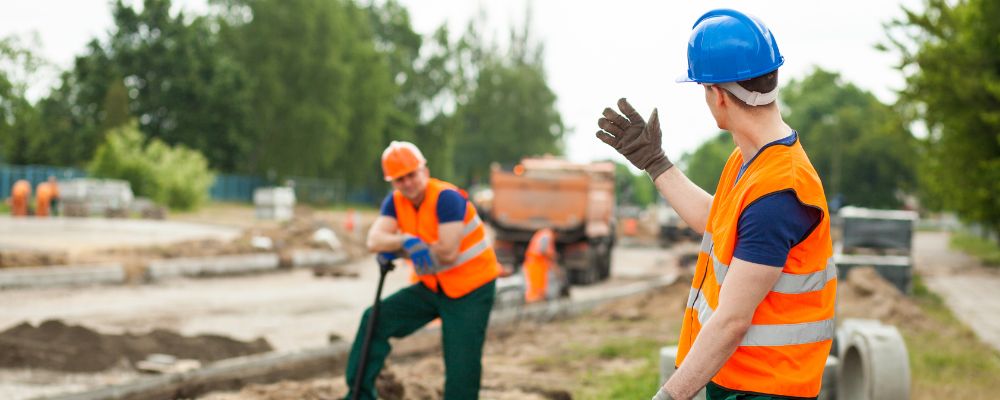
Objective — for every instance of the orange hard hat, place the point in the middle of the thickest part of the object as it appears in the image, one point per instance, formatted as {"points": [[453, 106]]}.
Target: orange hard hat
{"points": [[401, 158]]}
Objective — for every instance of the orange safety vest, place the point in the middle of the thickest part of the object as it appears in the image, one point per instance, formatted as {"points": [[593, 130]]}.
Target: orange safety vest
{"points": [[477, 262], [541, 251], [20, 194], [785, 349], [44, 194]]}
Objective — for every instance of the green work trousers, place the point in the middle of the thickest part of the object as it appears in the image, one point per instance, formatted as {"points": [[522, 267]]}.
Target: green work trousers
{"points": [[716, 392], [463, 331]]}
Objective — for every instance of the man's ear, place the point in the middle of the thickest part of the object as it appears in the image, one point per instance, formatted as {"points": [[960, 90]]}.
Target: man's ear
{"points": [[721, 99]]}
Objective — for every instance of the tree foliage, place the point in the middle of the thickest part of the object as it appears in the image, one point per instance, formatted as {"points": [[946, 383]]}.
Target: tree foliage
{"points": [[19, 118], [860, 147], [951, 60], [704, 165], [511, 111], [298, 88], [633, 189]]}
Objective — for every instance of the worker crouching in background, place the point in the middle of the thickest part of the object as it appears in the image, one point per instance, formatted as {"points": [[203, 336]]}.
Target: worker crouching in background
{"points": [[435, 226]]}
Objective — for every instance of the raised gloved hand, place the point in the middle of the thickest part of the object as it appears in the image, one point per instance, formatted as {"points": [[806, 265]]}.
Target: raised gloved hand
{"points": [[638, 141], [419, 252]]}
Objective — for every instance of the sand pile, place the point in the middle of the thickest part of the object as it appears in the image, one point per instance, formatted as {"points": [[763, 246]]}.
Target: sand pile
{"points": [[864, 294], [58, 346]]}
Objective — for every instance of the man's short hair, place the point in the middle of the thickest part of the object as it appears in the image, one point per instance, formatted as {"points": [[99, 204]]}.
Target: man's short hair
{"points": [[762, 84]]}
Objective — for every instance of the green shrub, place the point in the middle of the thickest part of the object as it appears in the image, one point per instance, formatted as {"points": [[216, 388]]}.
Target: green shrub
{"points": [[175, 176]]}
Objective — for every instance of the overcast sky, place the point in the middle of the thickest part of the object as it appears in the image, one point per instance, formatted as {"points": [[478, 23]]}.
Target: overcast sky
{"points": [[595, 52]]}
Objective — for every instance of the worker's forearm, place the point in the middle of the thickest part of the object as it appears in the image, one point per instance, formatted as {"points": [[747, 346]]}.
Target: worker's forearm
{"points": [[383, 241], [691, 202], [717, 341], [444, 254]]}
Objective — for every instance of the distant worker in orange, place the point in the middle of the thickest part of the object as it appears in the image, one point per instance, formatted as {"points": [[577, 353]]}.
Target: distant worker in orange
{"points": [[46, 197], [540, 265], [20, 193]]}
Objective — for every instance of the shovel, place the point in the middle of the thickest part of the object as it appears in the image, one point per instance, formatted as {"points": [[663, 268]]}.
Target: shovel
{"points": [[385, 265]]}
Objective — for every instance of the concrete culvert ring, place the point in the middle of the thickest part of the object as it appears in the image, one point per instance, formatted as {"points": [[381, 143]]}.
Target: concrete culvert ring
{"points": [[874, 365], [853, 375]]}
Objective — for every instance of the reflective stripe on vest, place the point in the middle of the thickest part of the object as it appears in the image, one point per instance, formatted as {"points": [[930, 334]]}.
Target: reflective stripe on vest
{"points": [[466, 255], [768, 335], [772, 334], [787, 283]]}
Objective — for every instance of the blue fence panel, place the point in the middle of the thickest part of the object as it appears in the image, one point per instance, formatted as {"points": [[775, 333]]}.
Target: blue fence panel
{"points": [[34, 174], [227, 187], [235, 187]]}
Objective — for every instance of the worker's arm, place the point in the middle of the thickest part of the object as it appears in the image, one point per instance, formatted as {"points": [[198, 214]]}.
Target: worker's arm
{"points": [[449, 238], [384, 235], [745, 287], [640, 143], [690, 201]]}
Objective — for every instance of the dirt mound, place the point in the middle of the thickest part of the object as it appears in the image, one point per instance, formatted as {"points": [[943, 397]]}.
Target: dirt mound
{"points": [[58, 346], [31, 258], [864, 294], [667, 302]]}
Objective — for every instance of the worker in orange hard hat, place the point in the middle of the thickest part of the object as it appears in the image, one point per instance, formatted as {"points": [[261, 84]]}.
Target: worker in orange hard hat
{"points": [[540, 268], [20, 193], [435, 226], [46, 196]]}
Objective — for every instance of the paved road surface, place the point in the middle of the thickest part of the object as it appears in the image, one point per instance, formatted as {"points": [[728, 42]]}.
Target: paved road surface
{"points": [[971, 291]]}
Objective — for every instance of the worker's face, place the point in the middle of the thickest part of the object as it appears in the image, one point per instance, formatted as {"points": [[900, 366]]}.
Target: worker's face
{"points": [[413, 184]]}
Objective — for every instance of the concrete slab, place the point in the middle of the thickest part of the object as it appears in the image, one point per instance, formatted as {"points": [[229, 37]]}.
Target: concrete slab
{"points": [[81, 234]]}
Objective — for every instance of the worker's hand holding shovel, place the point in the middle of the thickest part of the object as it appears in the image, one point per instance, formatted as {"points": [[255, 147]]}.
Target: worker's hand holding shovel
{"points": [[635, 139], [420, 253]]}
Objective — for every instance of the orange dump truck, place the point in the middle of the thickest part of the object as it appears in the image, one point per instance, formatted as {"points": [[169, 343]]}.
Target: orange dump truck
{"points": [[576, 200]]}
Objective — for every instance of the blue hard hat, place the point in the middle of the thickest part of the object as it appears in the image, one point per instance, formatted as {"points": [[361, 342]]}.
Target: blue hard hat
{"points": [[729, 46]]}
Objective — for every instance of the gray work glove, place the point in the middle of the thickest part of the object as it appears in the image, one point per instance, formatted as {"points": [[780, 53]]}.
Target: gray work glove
{"points": [[638, 141]]}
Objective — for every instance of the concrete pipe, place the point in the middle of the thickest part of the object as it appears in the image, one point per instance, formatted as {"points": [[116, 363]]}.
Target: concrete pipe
{"points": [[874, 364]]}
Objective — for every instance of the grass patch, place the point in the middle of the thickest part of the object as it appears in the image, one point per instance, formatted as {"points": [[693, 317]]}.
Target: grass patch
{"points": [[985, 250], [634, 383], [948, 361]]}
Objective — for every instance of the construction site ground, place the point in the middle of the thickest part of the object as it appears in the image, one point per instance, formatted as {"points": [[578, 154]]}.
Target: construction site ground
{"points": [[607, 353], [288, 310]]}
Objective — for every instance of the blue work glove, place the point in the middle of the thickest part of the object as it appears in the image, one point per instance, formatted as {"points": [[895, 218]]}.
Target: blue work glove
{"points": [[420, 253], [387, 256]]}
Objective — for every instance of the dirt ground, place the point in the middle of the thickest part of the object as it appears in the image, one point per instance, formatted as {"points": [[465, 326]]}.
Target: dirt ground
{"points": [[549, 361], [526, 361], [54, 345]]}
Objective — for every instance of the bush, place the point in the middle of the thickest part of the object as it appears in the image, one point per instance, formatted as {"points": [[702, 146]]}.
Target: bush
{"points": [[175, 176]]}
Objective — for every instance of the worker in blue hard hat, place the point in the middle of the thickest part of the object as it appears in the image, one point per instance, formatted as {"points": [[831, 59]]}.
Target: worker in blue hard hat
{"points": [[759, 317]]}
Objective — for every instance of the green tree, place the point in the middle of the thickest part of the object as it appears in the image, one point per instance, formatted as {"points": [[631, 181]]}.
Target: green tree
{"points": [[186, 90], [951, 60], [321, 92], [511, 111], [634, 189], [860, 147], [73, 113], [21, 139], [704, 165]]}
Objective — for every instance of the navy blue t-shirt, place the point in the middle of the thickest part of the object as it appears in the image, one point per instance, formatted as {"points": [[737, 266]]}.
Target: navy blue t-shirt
{"points": [[450, 206], [772, 225]]}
